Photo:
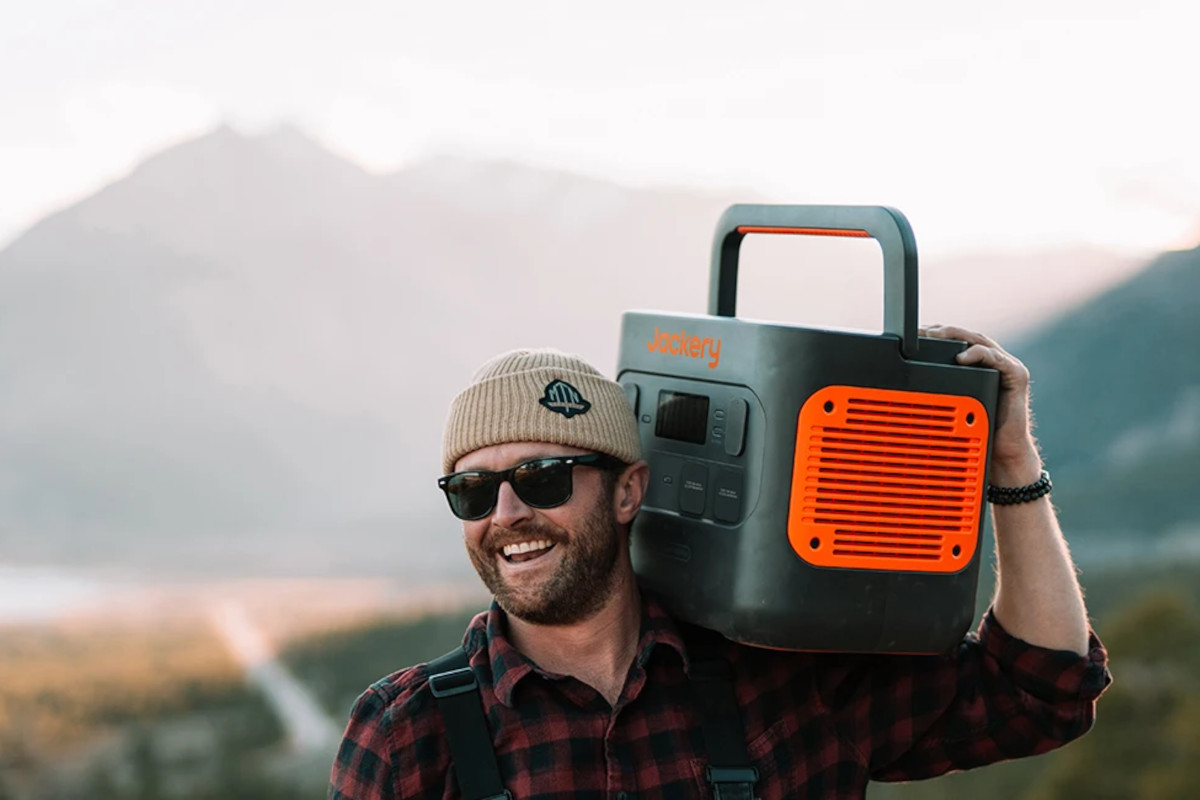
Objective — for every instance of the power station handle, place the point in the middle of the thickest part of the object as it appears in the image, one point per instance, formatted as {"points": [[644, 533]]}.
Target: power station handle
{"points": [[885, 225]]}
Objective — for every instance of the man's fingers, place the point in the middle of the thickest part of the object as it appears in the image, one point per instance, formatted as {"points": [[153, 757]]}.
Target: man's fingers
{"points": [[992, 357], [979, 354], [983, 351], [1010, 368], [962, 334]]}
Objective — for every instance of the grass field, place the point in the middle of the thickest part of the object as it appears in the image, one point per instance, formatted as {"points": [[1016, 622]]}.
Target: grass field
{"points": [[124, 711], [61, 686]]}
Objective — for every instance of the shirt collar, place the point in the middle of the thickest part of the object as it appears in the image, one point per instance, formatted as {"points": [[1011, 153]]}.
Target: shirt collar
{"points": [[509, 665]]}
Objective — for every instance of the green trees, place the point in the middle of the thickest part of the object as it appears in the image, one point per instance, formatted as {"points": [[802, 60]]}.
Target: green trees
{"points": [[340, 666], [1146, 742]]}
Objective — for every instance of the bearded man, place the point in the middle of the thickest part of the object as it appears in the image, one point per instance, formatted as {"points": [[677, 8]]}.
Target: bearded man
{"points": [[578, 683]]}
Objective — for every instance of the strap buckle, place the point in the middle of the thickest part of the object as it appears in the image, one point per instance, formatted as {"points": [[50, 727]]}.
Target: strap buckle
{"points": [[733, 783], [456, 681]]}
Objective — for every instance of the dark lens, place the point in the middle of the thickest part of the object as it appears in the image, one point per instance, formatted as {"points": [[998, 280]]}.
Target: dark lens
{"points": [[543, 484], [472, 495]]}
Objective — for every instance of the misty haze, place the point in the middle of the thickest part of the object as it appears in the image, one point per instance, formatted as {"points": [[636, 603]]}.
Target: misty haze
{"points": [[243, 351], [222, 386]]}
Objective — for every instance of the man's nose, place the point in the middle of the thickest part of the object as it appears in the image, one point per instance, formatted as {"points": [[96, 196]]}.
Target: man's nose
{"points": [[510, 510]]}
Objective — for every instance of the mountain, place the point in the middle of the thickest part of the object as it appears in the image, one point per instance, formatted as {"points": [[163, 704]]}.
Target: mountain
{"points": [[241, 353], [244, 350], [1117, 390]]}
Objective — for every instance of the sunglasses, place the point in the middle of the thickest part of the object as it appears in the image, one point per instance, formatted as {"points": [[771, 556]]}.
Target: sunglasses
{"points": [[539, 482]]}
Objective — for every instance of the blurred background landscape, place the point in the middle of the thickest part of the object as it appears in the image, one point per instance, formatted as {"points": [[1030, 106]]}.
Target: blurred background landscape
{"points": [[247, 258]]}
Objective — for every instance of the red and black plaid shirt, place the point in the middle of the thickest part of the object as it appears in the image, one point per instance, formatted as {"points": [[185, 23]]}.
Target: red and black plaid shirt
{"points": [[817, 726]]}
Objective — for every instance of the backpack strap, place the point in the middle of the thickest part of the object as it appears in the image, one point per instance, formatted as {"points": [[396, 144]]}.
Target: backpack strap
{"points": [[472, 757], [730, 771]]}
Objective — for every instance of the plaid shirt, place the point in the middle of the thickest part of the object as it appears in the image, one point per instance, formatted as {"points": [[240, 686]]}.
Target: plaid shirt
{"points": [[817, 725]]}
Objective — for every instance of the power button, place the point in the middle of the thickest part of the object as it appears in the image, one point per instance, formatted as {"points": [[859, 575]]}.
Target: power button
{"points": [[735, 426]]}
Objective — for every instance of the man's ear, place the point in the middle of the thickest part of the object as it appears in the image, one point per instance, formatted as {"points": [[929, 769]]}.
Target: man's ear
{"points": [[630, 492]]}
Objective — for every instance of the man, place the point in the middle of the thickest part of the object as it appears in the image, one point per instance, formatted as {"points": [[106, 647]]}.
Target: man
{"points": [[584, 678]]}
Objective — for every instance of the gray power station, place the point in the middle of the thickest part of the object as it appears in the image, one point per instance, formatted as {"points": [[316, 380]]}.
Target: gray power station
{"points": [[810, 489]]}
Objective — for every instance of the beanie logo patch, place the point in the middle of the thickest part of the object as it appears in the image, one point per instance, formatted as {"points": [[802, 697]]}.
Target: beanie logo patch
{"points": [[563, 398]]}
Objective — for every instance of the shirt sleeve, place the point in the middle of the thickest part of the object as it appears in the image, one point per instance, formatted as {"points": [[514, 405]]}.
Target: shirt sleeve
{"points": [[996, 698], [363, 769]]}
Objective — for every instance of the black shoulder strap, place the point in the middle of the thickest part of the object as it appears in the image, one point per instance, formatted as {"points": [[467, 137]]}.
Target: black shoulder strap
{"points": [[729, 768], [453, 684]]}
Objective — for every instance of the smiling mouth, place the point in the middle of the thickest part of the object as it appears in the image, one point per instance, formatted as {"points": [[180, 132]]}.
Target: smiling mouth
{"points": [[526, 551]]}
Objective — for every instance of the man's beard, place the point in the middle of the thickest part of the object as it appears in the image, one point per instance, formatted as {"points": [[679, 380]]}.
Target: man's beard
{"points": [[579, 585]]}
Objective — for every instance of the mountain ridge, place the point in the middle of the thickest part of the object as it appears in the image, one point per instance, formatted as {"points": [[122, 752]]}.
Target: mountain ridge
{"points": [[1119, 378], [251, 341]]}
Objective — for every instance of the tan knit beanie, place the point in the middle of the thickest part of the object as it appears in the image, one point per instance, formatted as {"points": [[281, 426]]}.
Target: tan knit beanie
{"points": [[541, 395]]}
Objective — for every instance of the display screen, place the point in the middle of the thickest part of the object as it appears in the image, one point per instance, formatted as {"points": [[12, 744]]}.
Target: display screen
{"points": [[683, 417]]}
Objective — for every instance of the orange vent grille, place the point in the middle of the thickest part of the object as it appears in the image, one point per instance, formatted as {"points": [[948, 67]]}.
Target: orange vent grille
{"points": [[888, 480]]}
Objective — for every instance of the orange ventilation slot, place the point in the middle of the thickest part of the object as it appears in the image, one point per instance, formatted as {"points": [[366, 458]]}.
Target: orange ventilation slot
{"points": [[888, 480]]}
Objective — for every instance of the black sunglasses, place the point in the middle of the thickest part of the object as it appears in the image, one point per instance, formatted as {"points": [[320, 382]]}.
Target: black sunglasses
{"points": [[539, 482]]}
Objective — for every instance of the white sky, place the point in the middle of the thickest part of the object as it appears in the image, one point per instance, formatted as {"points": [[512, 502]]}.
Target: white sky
{"points": [[1027, 123]]}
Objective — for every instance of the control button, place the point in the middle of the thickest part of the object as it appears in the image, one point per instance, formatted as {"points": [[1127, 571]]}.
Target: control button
{"points": [[663, 490], [727, 505], [631, 394], [735, 436], [718, 415], [646, 419], [693, 489], [717, 433]]}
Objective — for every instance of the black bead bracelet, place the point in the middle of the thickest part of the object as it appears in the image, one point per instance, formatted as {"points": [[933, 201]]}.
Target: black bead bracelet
{"points": [[1009, 496]]}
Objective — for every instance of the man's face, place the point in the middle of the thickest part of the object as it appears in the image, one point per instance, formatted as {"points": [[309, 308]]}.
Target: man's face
{"points": [[572, 553]]}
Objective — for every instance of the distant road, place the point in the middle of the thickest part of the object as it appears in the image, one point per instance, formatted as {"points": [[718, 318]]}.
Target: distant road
{"points": [[309, 728]]}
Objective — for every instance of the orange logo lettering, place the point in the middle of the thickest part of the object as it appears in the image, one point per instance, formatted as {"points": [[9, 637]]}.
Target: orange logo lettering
{"points": [[680, 344]]}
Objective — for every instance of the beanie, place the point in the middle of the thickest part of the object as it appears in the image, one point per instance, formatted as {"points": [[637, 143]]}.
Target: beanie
{"points": [[541, 395]]}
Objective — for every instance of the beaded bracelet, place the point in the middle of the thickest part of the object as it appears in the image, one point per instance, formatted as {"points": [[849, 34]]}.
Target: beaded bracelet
{"points": [[1008, 496]]}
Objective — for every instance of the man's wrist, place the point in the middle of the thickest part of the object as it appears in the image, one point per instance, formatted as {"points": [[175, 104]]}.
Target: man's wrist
{"points": [[1019, 469]]}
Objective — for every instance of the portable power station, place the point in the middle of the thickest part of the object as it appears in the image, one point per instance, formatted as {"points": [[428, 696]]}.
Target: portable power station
{"points": [[810, 489]]}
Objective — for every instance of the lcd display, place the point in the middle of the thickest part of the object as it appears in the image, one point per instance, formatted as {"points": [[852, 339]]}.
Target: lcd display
{"points": [[683, 417]]}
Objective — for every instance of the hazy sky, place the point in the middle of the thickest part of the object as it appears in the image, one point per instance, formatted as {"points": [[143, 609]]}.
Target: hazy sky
{"points": [[1022, 123]]}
